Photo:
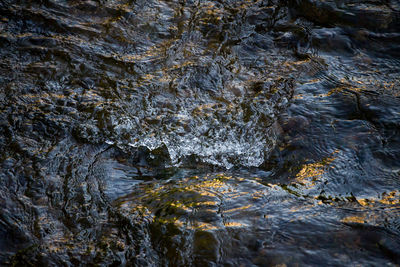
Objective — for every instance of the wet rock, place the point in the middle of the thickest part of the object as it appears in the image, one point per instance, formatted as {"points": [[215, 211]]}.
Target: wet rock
{"points": [[375, 15], [109, 110]]}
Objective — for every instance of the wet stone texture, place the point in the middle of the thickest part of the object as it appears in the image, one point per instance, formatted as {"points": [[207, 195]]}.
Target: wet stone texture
{"points": [[200, 133]]}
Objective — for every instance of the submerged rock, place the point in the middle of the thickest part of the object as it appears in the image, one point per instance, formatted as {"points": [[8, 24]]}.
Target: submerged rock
{"points": [[115, 115]]}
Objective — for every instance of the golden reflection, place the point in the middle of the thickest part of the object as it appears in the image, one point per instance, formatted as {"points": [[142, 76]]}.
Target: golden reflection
{"points": [[234, 224], [178, 203], [210, 13], [313, 81], [354, 219], [367, 218], [365, 202], [257, 195], [309, 174], [299, 96], [239, 208], [302, 208], [391, 198], [207, 203], [239, 194], [202, 226]]}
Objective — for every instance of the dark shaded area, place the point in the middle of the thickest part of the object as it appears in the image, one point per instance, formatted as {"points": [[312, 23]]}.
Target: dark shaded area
{"points": [[199, 133]]}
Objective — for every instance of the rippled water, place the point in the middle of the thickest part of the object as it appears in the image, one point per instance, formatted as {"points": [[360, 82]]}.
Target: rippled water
{"points": [[200, 133]]}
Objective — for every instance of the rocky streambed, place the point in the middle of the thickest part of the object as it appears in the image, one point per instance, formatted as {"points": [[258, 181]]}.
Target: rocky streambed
{"points": [[199, 133]]}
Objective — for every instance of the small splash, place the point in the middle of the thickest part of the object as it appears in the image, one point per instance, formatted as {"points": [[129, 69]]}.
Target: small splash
{"points": [[241, 132]]}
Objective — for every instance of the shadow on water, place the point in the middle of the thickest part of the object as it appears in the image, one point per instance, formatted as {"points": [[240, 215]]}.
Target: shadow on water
{"points": [[199, 133]]}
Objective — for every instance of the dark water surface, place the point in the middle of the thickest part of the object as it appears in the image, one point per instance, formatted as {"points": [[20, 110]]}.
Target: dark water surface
{"points": [[200, 133]]}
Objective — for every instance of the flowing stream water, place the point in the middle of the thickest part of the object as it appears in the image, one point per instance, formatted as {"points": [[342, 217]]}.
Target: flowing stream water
{"points": [[200, 133]]}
